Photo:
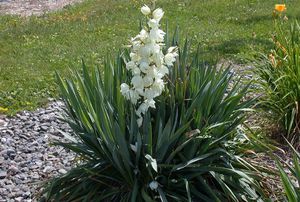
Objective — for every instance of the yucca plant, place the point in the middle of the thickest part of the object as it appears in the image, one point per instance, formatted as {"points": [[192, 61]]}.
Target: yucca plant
{"points": [[291, 183], [179, 152], [279, 77]]}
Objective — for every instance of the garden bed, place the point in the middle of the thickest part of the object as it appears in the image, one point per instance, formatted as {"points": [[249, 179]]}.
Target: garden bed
{"points": [[131, 130]]}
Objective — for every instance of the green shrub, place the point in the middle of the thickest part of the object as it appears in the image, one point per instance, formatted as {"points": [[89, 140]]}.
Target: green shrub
{"points": [[179, 153], [291, 184], [279, 76]]}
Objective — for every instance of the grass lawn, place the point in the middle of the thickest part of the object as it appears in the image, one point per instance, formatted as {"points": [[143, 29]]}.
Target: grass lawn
{"points": [[31, 49]]}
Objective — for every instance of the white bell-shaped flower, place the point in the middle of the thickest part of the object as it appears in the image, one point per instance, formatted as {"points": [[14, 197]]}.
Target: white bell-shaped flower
{"points": [[158, 14], [146, 10]]}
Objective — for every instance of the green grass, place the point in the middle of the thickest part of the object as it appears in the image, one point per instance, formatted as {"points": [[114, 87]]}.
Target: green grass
{"points": [[32, 49]]}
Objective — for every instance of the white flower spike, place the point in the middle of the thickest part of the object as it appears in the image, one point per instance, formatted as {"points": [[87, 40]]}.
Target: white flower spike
{"points": [[148, 64]]}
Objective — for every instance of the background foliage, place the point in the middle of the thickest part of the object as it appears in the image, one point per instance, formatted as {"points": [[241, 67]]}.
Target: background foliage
{"points": [[279, 78], [32, 48]]}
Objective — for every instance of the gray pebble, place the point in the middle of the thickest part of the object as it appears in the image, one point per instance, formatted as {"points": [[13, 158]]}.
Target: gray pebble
{"points": [[3, 174], [19, 199], [13, 170], [44, 128], [62, 171]]}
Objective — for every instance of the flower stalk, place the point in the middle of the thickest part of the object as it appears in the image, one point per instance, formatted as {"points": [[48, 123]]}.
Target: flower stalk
{"points": [[148, 65]]}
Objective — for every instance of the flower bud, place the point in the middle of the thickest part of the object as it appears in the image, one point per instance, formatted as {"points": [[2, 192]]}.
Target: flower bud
{"points": [[125, 90], [145, 10], [158, 14], [170, 58]]}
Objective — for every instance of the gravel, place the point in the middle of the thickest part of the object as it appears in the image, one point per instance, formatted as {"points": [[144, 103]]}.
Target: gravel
{"points": [[32, 7], [26, 157]]}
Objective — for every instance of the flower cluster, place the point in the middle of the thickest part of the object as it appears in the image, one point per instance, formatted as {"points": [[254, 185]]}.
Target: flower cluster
{"points": [[148, 64]]}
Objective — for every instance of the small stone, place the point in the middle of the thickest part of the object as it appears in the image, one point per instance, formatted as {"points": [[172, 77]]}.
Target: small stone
{"points": [[9, 184], [16, 131], [1, 160], [19, 199], [36, 128], [51, 130], [34, 144], [39, 163], [2, 191], [48, 169], [62, 171], [23, 136], [11, 153], [44, 128], [31, 149], [23, 118], [45, 117], [24, 151], [22, 177], [11, 194], [3, 123], [9, 141], [24, 170], [26, 194], [3, 140], [3, 174], [13, 169]]}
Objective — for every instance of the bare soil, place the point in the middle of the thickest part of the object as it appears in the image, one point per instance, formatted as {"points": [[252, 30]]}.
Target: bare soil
{"points": [[32, 7]]}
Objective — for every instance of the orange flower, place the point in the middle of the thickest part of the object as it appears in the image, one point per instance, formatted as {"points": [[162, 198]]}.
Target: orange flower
{"points": [[278, 44], [272, 59], [280, 7]]}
